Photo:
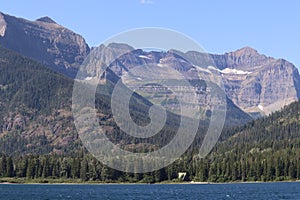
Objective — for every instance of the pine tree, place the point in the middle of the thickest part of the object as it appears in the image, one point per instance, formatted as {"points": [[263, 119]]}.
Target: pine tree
{"points": [[9, 168], [84, 170], [3, 165], [30, 173]]}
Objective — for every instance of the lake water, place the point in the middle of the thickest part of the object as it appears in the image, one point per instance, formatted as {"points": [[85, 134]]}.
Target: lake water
{"points": [[242, 191]]}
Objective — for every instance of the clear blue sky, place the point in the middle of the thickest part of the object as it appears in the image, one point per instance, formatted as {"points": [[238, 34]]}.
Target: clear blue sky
{"points": [[270, 26]]}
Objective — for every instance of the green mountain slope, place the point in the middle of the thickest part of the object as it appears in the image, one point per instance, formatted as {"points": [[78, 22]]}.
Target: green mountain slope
{"points": [[36, 117], [267, 149], [34, 106], [277, 131]]}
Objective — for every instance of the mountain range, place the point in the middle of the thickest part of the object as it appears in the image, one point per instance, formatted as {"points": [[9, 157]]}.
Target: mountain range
{"points": [[40, 59], [257, 84]]}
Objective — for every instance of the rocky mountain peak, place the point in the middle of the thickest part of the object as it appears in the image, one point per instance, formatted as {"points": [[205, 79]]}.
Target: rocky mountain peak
{"points": [[122, 46], [245, 52], [257, 83], [46, 19], [244, 58], [45, 41]]}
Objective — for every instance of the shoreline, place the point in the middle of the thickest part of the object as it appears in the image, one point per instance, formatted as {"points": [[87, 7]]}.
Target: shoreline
{"points": [[4, 181]]}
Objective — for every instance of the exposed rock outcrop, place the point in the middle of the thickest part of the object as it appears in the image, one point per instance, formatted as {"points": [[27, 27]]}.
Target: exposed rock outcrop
{"points": [[44, 41], [254, 82], [257, 83]]}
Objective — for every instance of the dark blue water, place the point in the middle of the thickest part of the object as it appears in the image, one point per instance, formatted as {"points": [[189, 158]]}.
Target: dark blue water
{"points": [[249, 191]]}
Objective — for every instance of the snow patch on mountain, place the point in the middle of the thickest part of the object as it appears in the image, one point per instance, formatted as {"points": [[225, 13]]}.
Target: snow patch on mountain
{"points": [[234, 71], [202, 69], [261, 107], [145, 57], [88, 78], [213, 68]]}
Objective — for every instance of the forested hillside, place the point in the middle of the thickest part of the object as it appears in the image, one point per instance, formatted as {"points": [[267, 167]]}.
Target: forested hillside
{"points": [[35, 107], [266, 149]]}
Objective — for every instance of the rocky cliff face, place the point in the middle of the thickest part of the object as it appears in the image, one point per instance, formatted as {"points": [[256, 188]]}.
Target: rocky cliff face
{"points": [[151, 70], [244, 58], [257, 83], [44, 41], [254, 82]]}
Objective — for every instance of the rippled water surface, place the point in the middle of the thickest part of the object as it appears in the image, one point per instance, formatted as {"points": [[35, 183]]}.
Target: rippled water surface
{"points": [[242, 191]]}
